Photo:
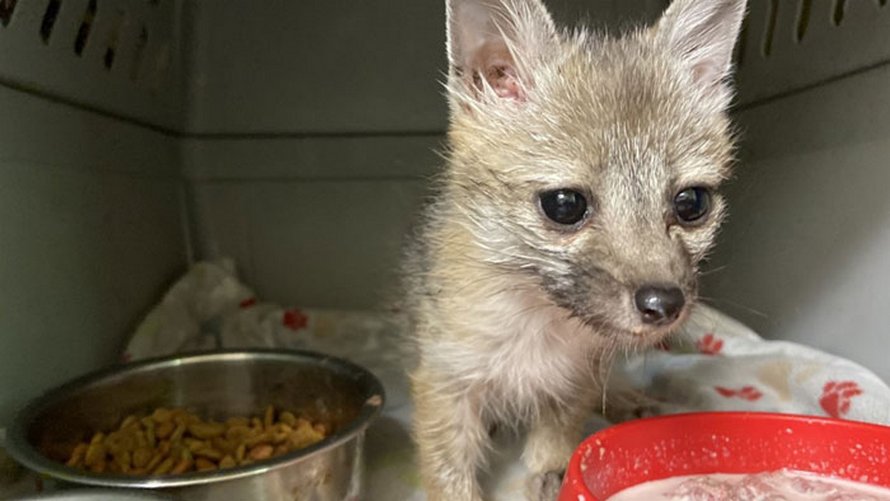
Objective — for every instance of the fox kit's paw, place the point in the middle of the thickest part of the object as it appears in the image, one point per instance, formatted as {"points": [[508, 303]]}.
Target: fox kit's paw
{"points": [[440, 496], [629, 405], [543, 486]]}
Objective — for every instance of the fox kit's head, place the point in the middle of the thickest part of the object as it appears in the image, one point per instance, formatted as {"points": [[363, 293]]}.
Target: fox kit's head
{"points": [[590, 166]]}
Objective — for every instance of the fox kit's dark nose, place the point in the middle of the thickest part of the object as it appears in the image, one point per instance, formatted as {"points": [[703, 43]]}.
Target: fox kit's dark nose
{"points": [[659, 305]]}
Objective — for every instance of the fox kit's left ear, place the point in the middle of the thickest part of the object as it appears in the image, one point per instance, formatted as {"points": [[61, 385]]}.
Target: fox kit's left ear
{"points": [[703, 34], [495, 45]]}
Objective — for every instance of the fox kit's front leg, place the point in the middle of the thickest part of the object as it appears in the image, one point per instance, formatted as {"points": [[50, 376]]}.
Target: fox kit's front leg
{"points": [[552, 438], [451, 437]]}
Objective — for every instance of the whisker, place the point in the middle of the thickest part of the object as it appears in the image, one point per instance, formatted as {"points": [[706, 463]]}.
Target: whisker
{"points": [[605, 369], [712, 271], [706, 299]]}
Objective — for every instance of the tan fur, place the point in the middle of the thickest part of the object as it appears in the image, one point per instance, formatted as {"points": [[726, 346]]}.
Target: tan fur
{"points": [[515, 320]]}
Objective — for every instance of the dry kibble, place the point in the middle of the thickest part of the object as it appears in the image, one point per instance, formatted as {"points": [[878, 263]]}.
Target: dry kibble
{"points": [[209, 453], [128, 421], [287, 418], [95, 454], [141, 440], [178, 432], [177, 416], [150, 436], [141, 457], [185, 463], [238, 432], [304, 435], [227, 462], [261, 452], [162, 415], [207, 430], [258, 438], [77, 455], [237, 421], [164, 447], [164, 430], [118, 442], [98, 467], [173, 441], [193, 444], [176, 450], [163, 468], [223, 445], [155, 461], [269, 417], [202, 464], [123, 460]]}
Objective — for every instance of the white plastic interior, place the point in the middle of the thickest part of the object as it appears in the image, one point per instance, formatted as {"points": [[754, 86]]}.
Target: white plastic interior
{"points": [[299, 137]]}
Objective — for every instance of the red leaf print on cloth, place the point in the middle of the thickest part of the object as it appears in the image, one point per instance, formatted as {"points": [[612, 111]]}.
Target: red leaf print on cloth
{"points": [[749, 393], [837, 397], [247, 303], [710, 345], [294, 319]]}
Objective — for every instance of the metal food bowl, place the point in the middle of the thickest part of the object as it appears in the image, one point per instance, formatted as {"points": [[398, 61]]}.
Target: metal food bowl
{"points": [[217, 386], [97, 495]]}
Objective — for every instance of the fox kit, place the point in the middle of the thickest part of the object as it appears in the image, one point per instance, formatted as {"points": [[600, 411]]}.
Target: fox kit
{"points": [[579, 197]]}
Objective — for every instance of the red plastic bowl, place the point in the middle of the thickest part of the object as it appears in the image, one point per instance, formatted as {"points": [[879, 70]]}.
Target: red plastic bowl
{"points": [[725, 442]]}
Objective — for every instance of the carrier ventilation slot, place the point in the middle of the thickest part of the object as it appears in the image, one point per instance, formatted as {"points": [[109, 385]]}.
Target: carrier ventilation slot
{"points": [[6, 9], [840, 8], [116, 57], [790, 45], [49, 19], [770, 33], [803, 18], [86, 24], [117, 27]]}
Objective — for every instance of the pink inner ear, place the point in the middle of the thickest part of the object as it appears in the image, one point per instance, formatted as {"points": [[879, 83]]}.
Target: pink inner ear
{"points": [[706, 73], [505, 83], [495, 63]]}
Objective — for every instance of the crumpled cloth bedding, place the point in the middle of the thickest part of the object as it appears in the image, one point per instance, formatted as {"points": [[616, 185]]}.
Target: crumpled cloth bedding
{"points": [[716, 363]]}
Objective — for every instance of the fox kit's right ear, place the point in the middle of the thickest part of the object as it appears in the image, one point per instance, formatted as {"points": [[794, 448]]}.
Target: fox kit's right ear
{"points": [[495, 45]]}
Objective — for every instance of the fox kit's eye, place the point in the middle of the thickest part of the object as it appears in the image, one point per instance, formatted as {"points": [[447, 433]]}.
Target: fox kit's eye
{"points": [[692, 204], [566, 207]]}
